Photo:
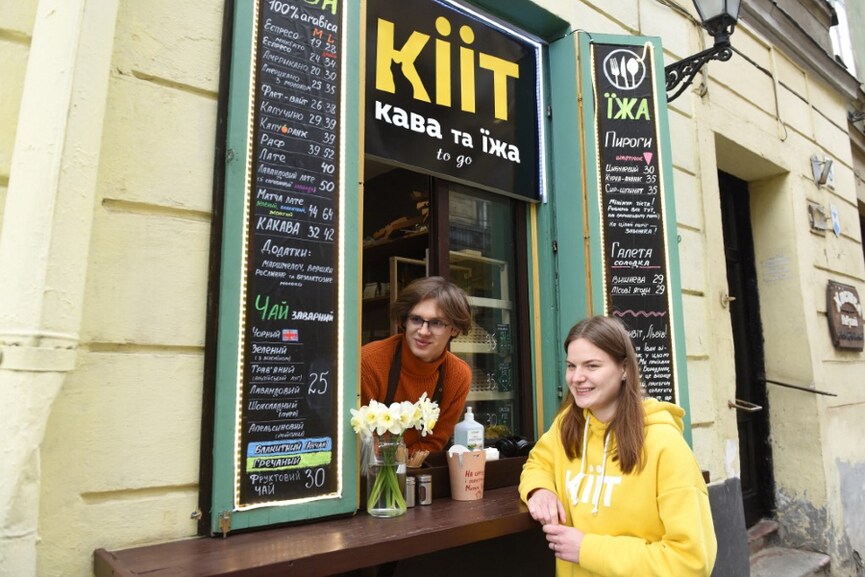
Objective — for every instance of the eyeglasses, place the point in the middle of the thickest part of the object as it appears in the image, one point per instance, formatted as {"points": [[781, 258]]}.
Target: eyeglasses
{"points": [[436, 326]]}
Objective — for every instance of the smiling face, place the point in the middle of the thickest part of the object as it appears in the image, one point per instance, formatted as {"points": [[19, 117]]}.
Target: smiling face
{"points": [[594, 379], [425, 343]]}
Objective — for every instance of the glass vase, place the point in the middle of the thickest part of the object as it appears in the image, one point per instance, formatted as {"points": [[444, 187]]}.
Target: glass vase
{"points": [[385, 476]]}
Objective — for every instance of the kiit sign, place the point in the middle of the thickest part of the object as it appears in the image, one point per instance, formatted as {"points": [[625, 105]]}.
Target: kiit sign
{"points": [[453, 94], [844, 310]]}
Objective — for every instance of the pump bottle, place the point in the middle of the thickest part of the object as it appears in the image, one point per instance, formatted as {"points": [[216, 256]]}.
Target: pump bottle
{"points": [[469, 432]]}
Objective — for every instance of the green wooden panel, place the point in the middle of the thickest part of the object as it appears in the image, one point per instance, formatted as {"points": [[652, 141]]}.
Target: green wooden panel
{"points": [[567, 208], [344, 499]]}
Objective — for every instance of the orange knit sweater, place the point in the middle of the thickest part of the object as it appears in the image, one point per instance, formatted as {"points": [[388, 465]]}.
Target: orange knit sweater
{"points": [[416, 378]]}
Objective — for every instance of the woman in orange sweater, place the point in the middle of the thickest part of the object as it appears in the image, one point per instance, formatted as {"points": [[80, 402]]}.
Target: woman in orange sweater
{"points": [[430, 312]]}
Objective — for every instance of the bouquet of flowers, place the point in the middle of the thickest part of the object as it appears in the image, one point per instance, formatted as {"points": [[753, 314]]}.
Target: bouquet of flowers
{"points": [[382, 427]]}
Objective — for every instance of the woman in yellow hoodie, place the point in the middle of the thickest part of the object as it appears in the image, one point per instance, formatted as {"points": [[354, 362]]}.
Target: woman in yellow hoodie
{"points": [[613, 481]]}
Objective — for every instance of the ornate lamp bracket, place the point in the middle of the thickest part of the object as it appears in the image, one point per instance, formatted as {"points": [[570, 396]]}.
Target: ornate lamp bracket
{"points": [[682, 73]]}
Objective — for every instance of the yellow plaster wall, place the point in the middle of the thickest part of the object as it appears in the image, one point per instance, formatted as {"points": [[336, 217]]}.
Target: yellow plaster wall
{"points": [[16, 24], [120, 458], [793, 267], [121, 453]]}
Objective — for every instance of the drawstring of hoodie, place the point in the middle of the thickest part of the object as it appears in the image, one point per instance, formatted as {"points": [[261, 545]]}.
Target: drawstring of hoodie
{"points": [[600, 484], [583, 452], [596, 498]]}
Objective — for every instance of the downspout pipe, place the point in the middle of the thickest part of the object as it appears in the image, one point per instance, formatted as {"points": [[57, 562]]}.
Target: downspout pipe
{"points": [[44, 246]]}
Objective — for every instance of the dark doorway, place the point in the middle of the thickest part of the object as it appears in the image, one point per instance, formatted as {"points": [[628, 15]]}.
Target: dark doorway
{"points": [[753, 423]]}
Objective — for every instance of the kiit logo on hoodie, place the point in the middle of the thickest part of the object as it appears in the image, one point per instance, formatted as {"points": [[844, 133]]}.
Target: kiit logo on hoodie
{"points": [[595, 484]]}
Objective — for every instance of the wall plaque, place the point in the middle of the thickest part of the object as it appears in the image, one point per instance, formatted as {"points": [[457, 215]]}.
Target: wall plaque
{"points": [[844, 311]]}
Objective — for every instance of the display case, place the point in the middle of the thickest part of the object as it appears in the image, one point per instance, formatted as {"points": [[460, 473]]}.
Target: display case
{"points": [[415, 226], [487, 348], [389, 265]]}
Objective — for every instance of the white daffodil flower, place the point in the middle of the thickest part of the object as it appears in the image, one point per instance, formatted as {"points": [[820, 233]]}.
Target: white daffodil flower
{"points": [[378, 418]]}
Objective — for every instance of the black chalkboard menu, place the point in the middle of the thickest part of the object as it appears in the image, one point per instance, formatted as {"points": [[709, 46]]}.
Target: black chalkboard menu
{"points": [[636, 272], [287, 405]]}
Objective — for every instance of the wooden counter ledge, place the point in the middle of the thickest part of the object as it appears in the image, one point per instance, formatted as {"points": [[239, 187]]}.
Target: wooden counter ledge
{"points": [[326, 547]]}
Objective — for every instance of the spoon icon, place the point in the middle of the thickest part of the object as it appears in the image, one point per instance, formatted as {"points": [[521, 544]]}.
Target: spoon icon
{"points": [[633, 67]]}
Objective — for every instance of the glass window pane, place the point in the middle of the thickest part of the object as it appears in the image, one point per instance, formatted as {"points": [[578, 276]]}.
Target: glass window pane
{"points": [[482, 261]]}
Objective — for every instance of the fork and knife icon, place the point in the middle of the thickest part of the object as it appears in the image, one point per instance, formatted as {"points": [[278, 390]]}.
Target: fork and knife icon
{"points": [[629, 68]]}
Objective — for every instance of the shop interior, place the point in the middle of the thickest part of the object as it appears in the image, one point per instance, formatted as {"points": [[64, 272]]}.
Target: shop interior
{"points": [[416, 225]]}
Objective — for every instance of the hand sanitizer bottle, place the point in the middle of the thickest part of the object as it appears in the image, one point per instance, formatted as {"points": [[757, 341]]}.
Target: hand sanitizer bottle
{"points": [[469, 433]]}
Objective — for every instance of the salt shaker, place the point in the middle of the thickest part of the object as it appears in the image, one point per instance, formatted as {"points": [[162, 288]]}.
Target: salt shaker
{"points": [[409, 491], [424, 489]]}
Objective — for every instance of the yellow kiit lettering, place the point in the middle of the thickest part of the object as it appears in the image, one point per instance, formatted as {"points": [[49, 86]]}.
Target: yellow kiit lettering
{"points": [[468, 60], [386, 54], [467, 71], [502, 70], [443, 63]]}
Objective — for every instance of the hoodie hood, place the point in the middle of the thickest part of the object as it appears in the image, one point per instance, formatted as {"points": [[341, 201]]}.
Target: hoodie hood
{"points": [[663, 413], [658, 413]]}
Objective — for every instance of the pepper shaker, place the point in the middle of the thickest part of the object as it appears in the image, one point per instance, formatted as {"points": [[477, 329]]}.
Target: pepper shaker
{"points": [[424, 489]]}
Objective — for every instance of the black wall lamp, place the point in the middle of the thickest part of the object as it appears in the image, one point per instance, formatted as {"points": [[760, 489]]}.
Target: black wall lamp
{"points": [[719, 18]]}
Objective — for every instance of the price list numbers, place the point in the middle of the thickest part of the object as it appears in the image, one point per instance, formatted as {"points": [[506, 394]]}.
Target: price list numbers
{"points": [[288, 411], [296, 132], [297, 119], [281, 451], [635, 262]]}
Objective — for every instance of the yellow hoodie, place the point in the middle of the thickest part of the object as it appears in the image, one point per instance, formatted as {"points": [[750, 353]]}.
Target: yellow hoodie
{"points": [[655, 522]]}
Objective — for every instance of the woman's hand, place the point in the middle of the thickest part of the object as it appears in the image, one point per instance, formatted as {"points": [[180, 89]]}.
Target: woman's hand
{"points": [[564, 541], [545, 507]]}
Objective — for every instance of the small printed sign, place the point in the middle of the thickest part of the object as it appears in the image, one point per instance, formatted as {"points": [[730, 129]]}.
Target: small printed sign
{"points": [[844, 311]]}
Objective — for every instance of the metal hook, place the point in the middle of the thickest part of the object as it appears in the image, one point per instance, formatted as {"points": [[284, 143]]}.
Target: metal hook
{"points": [[745, 406]]}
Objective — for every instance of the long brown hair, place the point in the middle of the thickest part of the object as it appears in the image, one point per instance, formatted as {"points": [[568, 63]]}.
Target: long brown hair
{"points": [[611, 336]]}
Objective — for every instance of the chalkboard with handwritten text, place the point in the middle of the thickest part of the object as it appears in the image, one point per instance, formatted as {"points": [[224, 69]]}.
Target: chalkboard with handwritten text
{"points": [[636, 272], [287, 403]]}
